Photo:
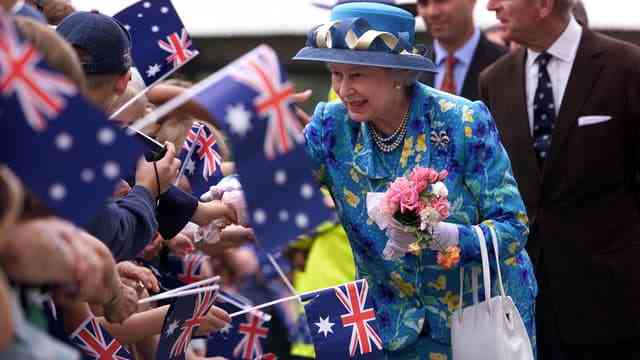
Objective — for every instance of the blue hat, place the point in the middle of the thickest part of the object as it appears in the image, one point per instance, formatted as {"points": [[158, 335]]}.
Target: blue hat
{"points": [[367, 33], [105, 40]]}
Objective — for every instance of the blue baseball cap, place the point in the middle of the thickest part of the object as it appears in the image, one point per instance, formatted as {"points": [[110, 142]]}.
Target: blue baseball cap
{"points": [[367, 33], [105, 40]]}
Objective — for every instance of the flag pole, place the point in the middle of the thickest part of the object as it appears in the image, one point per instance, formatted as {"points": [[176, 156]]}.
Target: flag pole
{"points": [[182, 288], [281, 300], [263, 315], [194, 144], [146, 89], [178, 294], [284, 278]]}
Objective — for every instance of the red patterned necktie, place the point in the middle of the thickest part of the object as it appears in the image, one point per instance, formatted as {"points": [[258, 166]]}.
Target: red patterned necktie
{"points": [[449, 81]]}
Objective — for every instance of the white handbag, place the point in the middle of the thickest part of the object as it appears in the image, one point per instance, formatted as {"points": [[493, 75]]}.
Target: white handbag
{"points": [[492, 329]]}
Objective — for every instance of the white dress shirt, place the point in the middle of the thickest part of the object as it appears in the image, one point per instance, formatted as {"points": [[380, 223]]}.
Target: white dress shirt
{"points": [[563, 53], [464, 55]]}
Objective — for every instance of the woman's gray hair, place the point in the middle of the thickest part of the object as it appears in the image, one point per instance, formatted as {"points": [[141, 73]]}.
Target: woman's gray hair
{"points": [[406, 78]]}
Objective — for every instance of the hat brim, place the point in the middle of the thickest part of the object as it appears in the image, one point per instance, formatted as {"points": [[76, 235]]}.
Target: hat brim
{"points": [[366, 58]]}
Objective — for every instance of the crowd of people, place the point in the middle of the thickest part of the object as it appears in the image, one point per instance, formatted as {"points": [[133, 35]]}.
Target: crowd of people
{"points": [[533, 123]]}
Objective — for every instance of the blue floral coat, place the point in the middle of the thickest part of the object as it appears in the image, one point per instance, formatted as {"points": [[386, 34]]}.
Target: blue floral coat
{"points": [[444, 132]]}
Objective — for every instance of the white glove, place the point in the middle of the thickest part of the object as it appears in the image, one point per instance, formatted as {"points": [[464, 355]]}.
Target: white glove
{"points": [[228, 183], [235, 199], [445, 234], [398, 243]]}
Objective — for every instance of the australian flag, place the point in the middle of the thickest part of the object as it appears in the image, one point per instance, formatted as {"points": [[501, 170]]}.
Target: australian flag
{"points": [[243, 339], [160, 43], [63, 149], [342, 321], [201, 161], [187, 269], [251, 99], [183, 317], [96, 343]]}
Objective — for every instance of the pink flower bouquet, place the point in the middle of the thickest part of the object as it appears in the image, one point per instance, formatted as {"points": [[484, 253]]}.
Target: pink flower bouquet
{"points": [[409, 211]]}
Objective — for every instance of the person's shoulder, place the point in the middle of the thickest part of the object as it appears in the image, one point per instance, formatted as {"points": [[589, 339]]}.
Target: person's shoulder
{"points": [[504, 66], [623, 52]]}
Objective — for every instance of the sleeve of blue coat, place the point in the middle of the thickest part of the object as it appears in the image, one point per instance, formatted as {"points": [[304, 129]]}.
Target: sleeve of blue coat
{"points": [[126, 225], [316, 137], [489, 176], [175, 209]]}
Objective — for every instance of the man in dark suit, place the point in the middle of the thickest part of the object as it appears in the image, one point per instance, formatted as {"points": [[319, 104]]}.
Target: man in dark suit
{"points": [[567, 105], [460, 51]]}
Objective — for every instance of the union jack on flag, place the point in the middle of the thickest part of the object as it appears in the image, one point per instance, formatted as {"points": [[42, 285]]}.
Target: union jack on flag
{"points": [[183, 317], [251, 99], [192, 268], [178, 46], [262, 73], [97, 343], [161, 44], [201, 161], [243, 339], [343, 323], [40, 91], [63, 149]]}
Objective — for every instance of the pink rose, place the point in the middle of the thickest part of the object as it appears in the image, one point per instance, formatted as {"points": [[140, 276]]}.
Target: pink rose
{"points": [[402, 193], [422, 177], [441, 205]]}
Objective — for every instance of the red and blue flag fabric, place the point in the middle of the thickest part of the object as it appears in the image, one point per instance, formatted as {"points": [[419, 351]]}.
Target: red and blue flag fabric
{"points": [[184, 316], [243, 339], [96, 342], [160, 42], [62, 148], [251, 99], [201, 160], [342, 321]]}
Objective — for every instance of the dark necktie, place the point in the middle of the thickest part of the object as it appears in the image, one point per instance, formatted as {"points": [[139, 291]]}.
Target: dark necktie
{"points": [[449, 81], [544, 110]]}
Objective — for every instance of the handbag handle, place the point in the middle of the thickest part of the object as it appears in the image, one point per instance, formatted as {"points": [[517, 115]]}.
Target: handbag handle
{"points": [[486, 274]]}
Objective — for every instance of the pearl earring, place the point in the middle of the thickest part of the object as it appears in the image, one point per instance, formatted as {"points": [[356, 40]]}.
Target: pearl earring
{"points": [[398, 87]]}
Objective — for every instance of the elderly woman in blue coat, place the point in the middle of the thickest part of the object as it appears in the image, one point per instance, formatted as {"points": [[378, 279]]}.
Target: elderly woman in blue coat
{"points": [[386, 124]]}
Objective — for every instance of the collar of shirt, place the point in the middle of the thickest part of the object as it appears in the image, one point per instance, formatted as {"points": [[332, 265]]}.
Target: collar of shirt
{"points": [[564, 48], [563, 53], [464, 55]]}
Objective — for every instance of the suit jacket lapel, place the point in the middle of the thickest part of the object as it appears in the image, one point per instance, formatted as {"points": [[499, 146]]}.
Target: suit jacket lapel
{"points": [[584, 73], [520, 116]]}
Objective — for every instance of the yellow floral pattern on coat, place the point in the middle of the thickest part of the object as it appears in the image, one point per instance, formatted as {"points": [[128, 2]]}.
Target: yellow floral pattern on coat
{"points": [[439, 284], [352, 199], [354, 175], [421, 143], [446, 105], [404, 287], [467, 114], [407, 151], [451, 300], [437, 356], [468, 132]]}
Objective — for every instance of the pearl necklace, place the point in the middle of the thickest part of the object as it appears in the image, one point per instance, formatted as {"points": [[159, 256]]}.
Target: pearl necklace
{"points": [[391, 142]]}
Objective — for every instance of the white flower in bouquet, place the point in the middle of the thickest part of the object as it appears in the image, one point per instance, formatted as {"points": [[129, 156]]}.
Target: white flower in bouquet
{"points": [[429, 217], [440, 189]]}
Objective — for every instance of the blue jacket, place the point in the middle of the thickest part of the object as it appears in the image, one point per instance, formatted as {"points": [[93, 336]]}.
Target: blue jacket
{"points": [[413, 295]]}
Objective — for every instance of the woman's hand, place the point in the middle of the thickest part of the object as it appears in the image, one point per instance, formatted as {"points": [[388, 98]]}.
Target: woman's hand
{"points": [[181, 245], [215, 320], [301, 98], [206, 212]]}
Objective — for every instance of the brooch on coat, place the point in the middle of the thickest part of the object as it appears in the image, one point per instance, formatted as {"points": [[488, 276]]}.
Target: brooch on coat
{"points": [[440, 139]]}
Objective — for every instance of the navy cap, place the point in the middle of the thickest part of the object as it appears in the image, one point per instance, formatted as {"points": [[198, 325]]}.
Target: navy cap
{"points": [[105, 40]]}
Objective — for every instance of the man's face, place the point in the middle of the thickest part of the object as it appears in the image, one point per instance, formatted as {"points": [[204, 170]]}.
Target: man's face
{"points": [[447, 20], [518, 18]]}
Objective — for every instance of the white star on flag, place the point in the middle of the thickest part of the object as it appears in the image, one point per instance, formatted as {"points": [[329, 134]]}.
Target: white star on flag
{"points": [[153, 70], [190, 167], [239, 119], [171, 328], [325, 326], [226, 329]]}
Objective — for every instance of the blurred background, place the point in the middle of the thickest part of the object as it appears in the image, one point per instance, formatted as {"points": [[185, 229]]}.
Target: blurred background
{"points": [[224, 30]]}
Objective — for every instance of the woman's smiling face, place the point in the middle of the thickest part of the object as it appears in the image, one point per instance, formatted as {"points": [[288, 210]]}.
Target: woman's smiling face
{"points": [[367, 92]]}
